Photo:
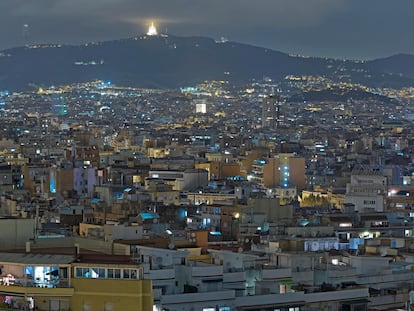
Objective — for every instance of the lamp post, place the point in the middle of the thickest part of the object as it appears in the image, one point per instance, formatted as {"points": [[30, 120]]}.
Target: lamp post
{"points": [[234, 228]]}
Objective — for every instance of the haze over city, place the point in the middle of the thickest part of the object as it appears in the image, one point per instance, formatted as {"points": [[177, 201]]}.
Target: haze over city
{"points": [[330, 28]]}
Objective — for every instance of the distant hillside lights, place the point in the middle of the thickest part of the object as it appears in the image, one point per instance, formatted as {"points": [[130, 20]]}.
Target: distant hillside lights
{"points": [[89, 63]]}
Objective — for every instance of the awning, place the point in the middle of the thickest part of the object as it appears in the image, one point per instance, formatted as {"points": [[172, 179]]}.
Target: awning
{"points": [[275, 305], [355, 302], [212, 279], [11, 293]]}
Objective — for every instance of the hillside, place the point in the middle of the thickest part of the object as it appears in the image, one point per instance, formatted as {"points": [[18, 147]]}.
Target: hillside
{"points": [[171, 61]]}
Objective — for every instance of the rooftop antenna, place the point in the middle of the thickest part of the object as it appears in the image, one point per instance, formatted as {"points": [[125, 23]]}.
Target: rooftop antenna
{"points": [[25, 34]]}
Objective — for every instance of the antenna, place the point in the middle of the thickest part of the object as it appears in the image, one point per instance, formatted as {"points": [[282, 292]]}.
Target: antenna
{"points": [[25, 34]]}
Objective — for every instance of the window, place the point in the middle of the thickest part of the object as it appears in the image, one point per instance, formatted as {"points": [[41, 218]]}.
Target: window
{"points": [[117, 273], [98, 273], [127, 273], [63, 272], [114, 273], [110, 273], [78, 272], [130, 274], [109, 306], [369, 202], [360, 307], [82, 272]]}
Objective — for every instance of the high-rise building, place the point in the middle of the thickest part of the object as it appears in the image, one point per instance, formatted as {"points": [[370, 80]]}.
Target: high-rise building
{"points": [[201, 108], [271, 111], [200, 105]]}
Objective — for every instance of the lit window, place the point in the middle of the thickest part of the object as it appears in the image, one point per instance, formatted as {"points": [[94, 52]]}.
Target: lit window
{"points": [[97, 273]]}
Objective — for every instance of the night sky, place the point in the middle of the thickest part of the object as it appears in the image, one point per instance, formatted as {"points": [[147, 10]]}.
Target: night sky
{"points": [[357, 29]]}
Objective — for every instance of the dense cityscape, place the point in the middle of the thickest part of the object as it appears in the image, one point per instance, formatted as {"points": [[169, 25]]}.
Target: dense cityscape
{"points": [[285, 195]]}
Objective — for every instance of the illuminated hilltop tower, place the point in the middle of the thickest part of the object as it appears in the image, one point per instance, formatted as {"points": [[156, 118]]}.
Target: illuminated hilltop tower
{"points": [[152, 31]]}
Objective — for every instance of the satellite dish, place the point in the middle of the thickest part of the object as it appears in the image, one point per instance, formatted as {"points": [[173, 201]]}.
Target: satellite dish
{"points": [[171, 245]]}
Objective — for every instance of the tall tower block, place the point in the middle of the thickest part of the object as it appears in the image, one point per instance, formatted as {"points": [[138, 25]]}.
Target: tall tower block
{"points": [[271, 111]]}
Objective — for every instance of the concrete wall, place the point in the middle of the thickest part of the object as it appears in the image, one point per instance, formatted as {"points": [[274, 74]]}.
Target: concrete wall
{"points": [[270, 207], [101, 294], [15, 232], [122, 232], [369, 264], [87, 244]]}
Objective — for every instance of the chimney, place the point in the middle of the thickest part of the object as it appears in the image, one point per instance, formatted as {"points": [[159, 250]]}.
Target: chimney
{"points": [[77, 250], [28, 247]]}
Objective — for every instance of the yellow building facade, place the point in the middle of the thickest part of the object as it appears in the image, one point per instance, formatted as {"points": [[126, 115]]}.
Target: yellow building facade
{"points": [[46, 282]]}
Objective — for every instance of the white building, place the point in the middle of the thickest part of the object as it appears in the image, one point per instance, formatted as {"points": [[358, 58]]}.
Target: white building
{"points": [[84, 180], [367, 191], [185, 180]]}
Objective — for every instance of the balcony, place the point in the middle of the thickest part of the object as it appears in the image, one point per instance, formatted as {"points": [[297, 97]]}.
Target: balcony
{"points": [[396, 300], [160, 274], [305, 276], [345, 294], [269, 273], [336, 271], [213, 297], [21, 282], [34, 289], [206, 270], [233, 277], [293, 299]]}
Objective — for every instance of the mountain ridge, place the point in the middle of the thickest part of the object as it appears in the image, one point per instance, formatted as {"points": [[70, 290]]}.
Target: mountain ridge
{"points": [[173, 61]]}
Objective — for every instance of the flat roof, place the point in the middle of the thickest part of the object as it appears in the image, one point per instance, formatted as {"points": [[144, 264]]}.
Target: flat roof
{"points": [[36, 259]]}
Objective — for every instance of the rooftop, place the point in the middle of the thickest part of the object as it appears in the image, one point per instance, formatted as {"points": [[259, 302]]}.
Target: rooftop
{"points": [[35, 259]]}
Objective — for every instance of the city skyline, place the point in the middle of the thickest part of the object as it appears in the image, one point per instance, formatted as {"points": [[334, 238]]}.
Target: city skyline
{"points": [[350, 29]]}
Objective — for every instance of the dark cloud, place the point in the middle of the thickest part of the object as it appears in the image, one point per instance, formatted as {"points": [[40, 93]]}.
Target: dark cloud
{"points": [[339, 28]]}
